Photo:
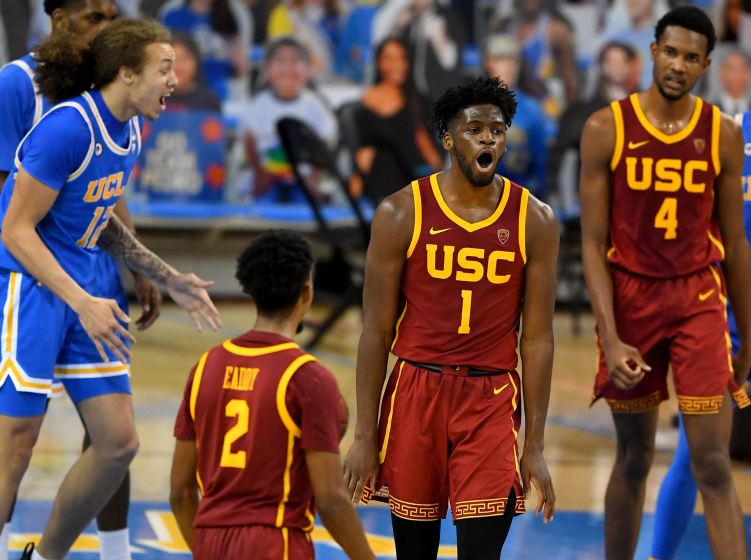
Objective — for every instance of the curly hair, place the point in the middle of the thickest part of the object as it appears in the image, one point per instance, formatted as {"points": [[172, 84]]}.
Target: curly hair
{"points": [[691, 18], [52, 5], [274, 268], [480, 91], [67, 68]]}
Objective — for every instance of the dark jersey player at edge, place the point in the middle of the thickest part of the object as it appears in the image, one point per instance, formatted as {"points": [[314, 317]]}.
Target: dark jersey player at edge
{"points": [[474, 360]]}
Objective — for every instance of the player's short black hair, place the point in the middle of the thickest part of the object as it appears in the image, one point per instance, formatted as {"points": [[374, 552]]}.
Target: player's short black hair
{"points": [[480, 91], [274, 268], [52, 5], [691, 18]]}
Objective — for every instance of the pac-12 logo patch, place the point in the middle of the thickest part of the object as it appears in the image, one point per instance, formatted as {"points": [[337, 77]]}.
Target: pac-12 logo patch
{"points": [[699, 145], [98, 149], [503, 235]]}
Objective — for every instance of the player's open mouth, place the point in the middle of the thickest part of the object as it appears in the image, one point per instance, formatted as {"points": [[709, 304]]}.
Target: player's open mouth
{"points": [[163, 102], [485, 162]]}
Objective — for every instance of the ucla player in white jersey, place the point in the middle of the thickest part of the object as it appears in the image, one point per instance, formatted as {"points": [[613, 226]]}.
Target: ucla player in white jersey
{"points": [[21, 107], [56, 208], [677, 498]]}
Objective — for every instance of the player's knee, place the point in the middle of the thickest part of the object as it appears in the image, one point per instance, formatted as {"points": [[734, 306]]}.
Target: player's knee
{"points": [[20, 448], [636, 461], [120, 450], [712, 470]]}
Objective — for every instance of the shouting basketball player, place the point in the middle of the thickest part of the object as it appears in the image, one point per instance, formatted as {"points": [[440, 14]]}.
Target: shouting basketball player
{"points": [[455, 261], [661, 206]]}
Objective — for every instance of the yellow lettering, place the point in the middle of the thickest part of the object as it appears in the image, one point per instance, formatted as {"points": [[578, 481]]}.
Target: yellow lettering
{"points": [[448, 260], [108, 189], [688, 176], [476, 267], [253, 375], [496, 256], [93, 193], [233, 385], [646, 175], [667, 169], [120, 185], [227, 372]]}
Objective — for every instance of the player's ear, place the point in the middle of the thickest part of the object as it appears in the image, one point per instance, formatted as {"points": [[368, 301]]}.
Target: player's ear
{"points": [[653, 50], [448, 141], [306, 297], [60, 20], [127, 75]]}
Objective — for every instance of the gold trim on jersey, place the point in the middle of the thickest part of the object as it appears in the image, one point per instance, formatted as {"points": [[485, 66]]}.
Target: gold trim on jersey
{"points": [[251, 352], [523, 225], [716, 121], [717, 242], [198, 480], [700, 405], [513, 429], [285, 538], [287, 483], [619, 135], [382, 454], [418, 218], [196, 384], [399, 322], [661, 136], [462, 223], [281, 393]]}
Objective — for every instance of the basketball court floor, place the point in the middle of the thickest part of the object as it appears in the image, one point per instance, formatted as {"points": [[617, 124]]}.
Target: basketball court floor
{"points": [[580, 449]]}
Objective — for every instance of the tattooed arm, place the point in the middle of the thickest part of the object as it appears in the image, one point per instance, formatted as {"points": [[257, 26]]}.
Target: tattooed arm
{"points": [[187, 290], [119, 243]]}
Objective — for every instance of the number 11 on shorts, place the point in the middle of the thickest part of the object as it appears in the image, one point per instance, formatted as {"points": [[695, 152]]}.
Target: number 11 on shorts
{"points": [[466, 307]]}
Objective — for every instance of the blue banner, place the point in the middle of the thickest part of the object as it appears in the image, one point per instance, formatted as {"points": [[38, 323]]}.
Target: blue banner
{"points": [[182, 158]]}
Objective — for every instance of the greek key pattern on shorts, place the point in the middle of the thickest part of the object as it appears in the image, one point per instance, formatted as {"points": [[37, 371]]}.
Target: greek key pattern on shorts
{"points": [[741, 398], [700, 405], [521, 506], [635, 405], [480, 508], [408, 510], [381, 496]]}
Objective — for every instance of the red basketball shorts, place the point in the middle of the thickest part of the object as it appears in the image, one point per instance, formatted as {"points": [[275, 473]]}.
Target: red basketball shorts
{"points": [[260, 542], [676, 321], [444, 436]]}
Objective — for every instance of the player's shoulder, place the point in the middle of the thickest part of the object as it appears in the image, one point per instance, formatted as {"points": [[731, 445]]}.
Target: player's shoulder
{"points": [[397, 207], [602, 120], [67, 120], [18, 74]]}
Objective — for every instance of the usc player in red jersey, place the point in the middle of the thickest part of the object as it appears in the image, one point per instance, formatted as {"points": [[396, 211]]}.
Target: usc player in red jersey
{"points": [[662, 205], [456, 259], [258, 430]]}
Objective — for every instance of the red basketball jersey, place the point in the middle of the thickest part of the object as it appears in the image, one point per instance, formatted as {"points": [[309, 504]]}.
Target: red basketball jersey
{"points": [[462, 285], [253, 405], [662, 220]]}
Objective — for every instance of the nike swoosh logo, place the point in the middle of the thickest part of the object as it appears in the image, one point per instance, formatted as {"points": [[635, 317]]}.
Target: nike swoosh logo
{"points": [[632, 146], [702, 297], [496, 391], [434, 231]]}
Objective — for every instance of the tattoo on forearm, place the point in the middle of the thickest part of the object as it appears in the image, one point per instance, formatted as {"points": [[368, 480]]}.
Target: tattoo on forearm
{"points": [[119, 243]]}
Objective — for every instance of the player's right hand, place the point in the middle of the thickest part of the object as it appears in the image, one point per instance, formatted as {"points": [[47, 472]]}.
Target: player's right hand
{"points": [[741, 366], [620, 357], [361, 464], [99, 318]]}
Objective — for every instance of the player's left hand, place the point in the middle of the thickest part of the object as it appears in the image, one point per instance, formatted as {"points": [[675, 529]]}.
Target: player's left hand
{"points": [[741, 366], [533, 469], [189, 292], [150, 299]]}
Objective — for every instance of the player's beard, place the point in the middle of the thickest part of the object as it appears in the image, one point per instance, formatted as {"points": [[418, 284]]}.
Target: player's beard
{"points": [[470, 171], [666, 95]]}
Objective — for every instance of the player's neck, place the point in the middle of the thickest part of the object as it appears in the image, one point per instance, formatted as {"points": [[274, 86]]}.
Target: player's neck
{"points": [[456, 189], [286, 327], [654, 103], [117, 102]]}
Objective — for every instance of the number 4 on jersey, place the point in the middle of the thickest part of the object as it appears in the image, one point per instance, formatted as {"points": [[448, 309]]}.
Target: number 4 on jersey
{"points": [[667, 219]]}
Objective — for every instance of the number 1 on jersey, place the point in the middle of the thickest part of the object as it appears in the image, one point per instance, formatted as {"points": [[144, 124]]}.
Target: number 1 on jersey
{"points": [[667, 218], [466, 307], [239, 408]]}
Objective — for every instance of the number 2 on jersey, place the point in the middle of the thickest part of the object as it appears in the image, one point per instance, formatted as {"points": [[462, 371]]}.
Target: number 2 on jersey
{"points": [[667, 219], [238, 408]]}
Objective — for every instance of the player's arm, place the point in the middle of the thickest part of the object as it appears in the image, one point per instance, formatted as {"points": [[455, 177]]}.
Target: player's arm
{"points": [[737, 262], [187, 290], [146, 291], [184, 495], [333, 504], [16, 102], [391, 234], [597, 147], [31, 201], [536, 347]]}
